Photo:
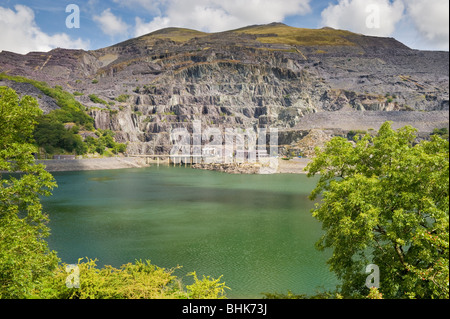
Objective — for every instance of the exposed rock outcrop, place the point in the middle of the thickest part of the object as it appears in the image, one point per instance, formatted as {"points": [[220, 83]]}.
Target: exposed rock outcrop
{"points": [[245, 168], [272, 75]]}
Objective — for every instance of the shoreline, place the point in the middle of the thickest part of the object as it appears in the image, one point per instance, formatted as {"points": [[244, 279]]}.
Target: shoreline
{"points": [[293, 166], [278, 166], [92, 164]]}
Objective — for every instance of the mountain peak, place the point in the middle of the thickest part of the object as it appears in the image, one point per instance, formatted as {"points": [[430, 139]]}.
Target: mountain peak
{"points": [[327, 28]]}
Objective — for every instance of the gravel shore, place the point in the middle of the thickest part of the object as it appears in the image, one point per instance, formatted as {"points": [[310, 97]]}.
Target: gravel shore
{"points": [[293, 166], [92, 164]]}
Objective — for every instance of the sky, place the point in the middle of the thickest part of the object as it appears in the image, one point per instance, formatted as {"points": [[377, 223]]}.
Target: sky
{"points": [[42, 25]]}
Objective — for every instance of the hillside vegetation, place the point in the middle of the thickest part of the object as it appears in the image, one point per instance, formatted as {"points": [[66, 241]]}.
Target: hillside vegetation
{"points": [[283, 34], [58, 131]]}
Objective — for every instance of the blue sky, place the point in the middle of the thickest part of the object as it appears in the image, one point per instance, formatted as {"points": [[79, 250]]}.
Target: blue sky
{"points": [[40, 25]]}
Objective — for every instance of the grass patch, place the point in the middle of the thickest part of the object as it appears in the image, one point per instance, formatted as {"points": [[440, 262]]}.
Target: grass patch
{"points": [[94, 98], [174, 34], [283, 34], [122, 98]]}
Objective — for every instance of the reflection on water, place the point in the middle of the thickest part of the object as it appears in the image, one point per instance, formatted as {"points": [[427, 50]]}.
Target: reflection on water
{"points": [[255, 230]]}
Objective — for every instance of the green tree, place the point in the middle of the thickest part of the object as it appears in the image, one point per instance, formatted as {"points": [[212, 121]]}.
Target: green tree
{"points": [[24, 255], [53, 135], [28, 268], [384, 201], [119, 148]]}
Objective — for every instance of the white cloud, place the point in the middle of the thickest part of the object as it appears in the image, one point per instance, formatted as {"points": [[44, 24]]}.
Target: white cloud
{"points": [[431, 19], [111, 24], [372, 17], [218, 15], [23, 35], [142, 28]]}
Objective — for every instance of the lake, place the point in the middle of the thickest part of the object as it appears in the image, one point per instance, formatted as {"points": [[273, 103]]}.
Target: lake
{"points": [[255, 230]]}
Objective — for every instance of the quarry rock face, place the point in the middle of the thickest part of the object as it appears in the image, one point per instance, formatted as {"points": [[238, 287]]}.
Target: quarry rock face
{"points": [[260, 76]]}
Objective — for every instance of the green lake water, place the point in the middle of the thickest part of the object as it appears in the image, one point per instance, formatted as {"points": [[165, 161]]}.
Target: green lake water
{"points": [[255, 230]]}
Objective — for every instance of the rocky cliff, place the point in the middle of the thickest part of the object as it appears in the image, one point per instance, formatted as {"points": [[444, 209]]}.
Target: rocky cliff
{"points": [[270, 75]]}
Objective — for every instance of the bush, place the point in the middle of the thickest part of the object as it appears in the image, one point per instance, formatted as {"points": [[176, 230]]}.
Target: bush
{"points": [[122, 98], [119, 148], [141, 280], [442, 132], [104, 141], [94, 98], [207, 288]]}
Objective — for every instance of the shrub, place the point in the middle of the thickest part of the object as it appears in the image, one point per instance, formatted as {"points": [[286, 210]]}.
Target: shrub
{"points": [[122, 98], [140, 280], [94, 98], [442, 132]]}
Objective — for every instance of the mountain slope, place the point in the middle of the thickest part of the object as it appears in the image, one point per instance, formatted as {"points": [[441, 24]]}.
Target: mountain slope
{"points": [[261, 75]]}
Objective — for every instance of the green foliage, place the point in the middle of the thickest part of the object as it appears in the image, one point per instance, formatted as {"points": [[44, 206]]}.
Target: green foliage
{"points": [[141, 280], [105, 140], [28, 269], [94, 98], [374, 294], [119, 148], [291, 295], [71, 110], [442, 132], [53, 136], [207, 288], [355, 133], [122, 98], [390, 98], [24, 255], [284, 296], [50, 133], [385, 202]]}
